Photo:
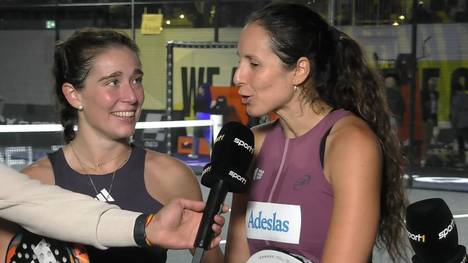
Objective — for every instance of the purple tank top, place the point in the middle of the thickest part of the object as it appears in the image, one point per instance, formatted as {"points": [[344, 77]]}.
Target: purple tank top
{"points": [[290, 202]]}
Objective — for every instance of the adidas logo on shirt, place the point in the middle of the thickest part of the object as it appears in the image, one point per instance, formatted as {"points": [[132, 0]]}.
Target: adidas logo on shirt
{"points": [[104, 196]]}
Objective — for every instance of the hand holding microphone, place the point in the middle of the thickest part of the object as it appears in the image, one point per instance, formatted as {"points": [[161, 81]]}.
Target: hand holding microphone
{"points": [[432, 233], [230, 159]]}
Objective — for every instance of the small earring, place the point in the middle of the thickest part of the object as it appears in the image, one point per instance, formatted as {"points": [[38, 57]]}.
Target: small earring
{"points": [[295, 88], [80, 107]]}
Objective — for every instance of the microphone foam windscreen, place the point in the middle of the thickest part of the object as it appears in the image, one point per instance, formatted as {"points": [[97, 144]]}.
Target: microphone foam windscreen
{"points": [[211, 175], [234, 144], [208, 177], [431, 230], [231, 156]]}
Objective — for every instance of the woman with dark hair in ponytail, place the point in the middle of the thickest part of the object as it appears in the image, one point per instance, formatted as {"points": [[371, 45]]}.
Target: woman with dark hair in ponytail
{"points": [[98, 84], [327, 174]]}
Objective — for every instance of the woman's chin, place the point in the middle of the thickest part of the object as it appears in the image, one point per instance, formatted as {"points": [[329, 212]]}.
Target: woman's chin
{"points": [[255, 113]]}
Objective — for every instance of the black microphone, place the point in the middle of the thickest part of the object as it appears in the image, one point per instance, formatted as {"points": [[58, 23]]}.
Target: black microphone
{"points": [[230, 159], [432, 233]]}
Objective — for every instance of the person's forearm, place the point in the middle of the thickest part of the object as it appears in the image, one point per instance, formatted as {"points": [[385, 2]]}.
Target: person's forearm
{"points": [[51, 211], [54, 212], [112, 220]]}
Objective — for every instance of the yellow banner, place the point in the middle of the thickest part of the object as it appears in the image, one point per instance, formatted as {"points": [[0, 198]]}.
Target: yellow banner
{"points": [[151, 24]]}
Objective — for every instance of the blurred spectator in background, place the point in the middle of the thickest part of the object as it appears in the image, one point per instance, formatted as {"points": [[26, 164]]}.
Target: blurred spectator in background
{"points": [[202, 110], [395, 101], [429, 98], [222, 107], [459, 120]]}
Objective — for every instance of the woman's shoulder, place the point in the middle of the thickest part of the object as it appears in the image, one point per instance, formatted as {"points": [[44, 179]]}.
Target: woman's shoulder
{"points": [[172, 176], [352, 130], [351, 135], [164, 162], [353, 156], [40, 170]]}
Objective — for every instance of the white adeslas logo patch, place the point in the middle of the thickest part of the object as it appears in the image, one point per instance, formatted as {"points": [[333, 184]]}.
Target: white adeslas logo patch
{"points": [[273, 222]]}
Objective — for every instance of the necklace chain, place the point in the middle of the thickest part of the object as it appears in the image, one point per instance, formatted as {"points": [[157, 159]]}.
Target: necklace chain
{"points": [[98, 165]]}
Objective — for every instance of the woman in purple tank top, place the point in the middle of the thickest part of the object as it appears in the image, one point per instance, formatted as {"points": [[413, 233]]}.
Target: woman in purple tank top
{"points": [[327, 175]]}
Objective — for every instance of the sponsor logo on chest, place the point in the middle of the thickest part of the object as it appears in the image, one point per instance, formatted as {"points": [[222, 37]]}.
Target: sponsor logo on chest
{"points": [[258, 174], [273, 222]]}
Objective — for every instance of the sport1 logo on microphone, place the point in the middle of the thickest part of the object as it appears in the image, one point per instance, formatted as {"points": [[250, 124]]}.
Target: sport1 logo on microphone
{"points": [[447, 230], [219, 138], [241, 143], [239, 178], [206, 170], [417, 238]]}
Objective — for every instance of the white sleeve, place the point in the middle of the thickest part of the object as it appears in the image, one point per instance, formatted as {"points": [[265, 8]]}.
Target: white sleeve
{"points": [[61, 214]]}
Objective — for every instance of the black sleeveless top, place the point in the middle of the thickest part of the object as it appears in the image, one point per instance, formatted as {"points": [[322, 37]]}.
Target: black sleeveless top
{"points": [[127, 190]]}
